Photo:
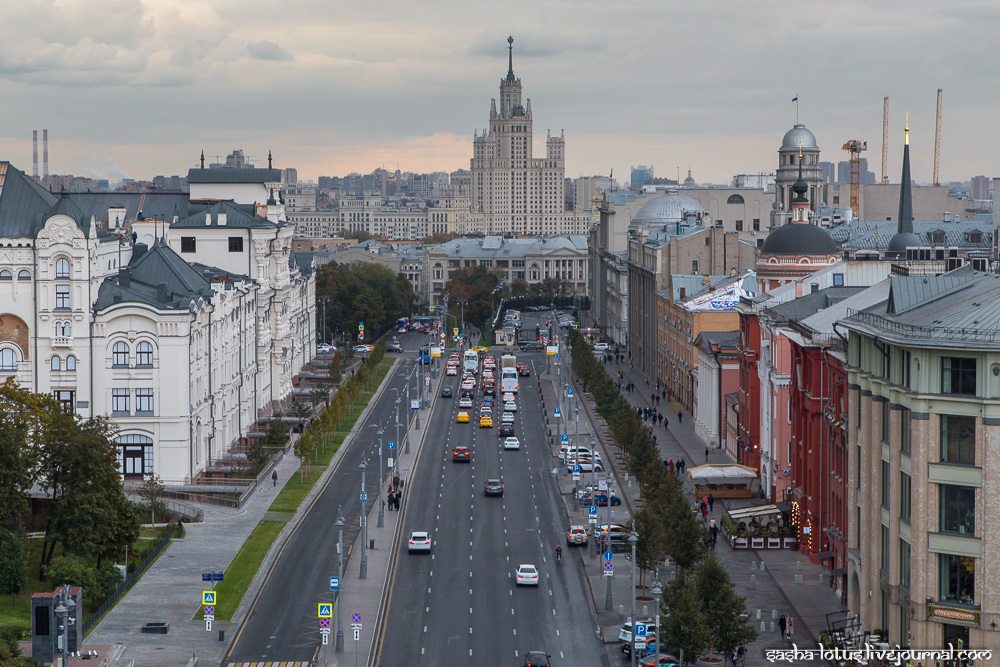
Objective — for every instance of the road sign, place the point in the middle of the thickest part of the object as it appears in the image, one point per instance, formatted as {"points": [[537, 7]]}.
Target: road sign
{"points": [[326, 639], [427, 376], [576, 477], [325, 610], [324, 623], [334, 583], [608, 566], [592, 510], [357, 634], [211, 576], [454, 331], [208, 597], [640, 630], [565, 437], [609, 573], [576, 467], [608, 555], [361, 326], [363, 497], [602, 485], [556, 412], [209, 610], [208, 625], [592, 520], [569, 392], [356, 617], [392, 444]]}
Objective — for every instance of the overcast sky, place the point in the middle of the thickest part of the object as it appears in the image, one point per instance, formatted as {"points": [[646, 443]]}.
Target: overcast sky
{"points": [[139, 87]]}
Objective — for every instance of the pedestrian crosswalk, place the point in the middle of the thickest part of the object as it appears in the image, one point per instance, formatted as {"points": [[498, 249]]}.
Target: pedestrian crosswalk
{"points": [[272, 663]]}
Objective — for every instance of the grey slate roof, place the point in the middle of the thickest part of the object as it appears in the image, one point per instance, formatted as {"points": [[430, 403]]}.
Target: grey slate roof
{"points": [[158, 264], [692, 284], [512, 247], [231, 175], [724, 340], [23, 203], [239, 216], [809, 304], [301, 260], [154, 205], [875, 234]]}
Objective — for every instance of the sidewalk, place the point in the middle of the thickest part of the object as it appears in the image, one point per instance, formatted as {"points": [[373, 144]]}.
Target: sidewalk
{"points": [[767, 578]]}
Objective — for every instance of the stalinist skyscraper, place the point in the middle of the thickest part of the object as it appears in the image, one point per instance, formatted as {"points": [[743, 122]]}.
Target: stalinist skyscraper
{"points": [[513, 192]]}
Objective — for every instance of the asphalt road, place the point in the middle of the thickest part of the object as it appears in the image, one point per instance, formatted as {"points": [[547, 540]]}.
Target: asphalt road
{"points": [[460, 603], [282, 623]]}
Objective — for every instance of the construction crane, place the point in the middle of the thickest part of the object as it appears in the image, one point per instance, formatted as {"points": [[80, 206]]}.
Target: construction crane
{"points": [[937, 139], [885, 140], [854, 147]]}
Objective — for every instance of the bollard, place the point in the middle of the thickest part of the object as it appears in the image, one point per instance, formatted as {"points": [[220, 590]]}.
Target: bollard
{"points": [[371, 544], [758, 614], [774, 614], [772, 626], [753, 565], [798, 565], [820, 577], [763, 627], [645, 611], [621, 609], [753, 579]]}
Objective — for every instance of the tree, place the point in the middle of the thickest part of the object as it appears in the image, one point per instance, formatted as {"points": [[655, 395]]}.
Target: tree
{"points": [[319, 396], [650, 550], [684, 627], [10, 650], [519, 288], [475, 284], [301, 409], [277, 431], [303, 448], [369, 293], [722, 608], [684, 536], [437, 238], [150, 491], [13, 564], [335, 372], [23, 419], [360, 235]]}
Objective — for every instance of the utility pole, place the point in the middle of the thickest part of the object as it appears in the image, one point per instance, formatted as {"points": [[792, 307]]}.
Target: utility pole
{"points": [[381, 469], [339, 648], [364, 526]]}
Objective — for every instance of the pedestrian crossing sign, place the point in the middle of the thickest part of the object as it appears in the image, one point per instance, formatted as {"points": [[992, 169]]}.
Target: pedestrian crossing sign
{"points": [[208, 597], [325, 610]]}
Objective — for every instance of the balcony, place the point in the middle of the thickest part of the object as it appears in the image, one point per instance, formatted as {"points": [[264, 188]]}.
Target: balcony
{"points": [[62, 341]]}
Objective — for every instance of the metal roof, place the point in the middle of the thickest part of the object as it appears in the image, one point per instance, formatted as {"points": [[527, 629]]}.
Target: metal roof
{"points": [[158, 264], [237, 215], [876, 234], [488, 246], [809, 304], [23, 204], [232, 175]]}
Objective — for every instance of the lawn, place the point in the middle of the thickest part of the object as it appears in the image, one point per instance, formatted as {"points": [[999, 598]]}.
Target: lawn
{"points": [[242, 570]]}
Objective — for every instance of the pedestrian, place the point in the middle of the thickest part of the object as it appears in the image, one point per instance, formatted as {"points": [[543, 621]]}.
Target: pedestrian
{"points": [[398, 500], [782, 623], [704, 511], [395, 482], [711, 503], [652, 397], [657, 398], [681, 465], [664, 393], [729, 506], [706, 453], [680, 417], [711, 524], [670, 464], [274, 478], [790, 626]]}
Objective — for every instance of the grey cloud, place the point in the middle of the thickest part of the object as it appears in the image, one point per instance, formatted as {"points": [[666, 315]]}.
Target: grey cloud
{"points": [[267, 51]]}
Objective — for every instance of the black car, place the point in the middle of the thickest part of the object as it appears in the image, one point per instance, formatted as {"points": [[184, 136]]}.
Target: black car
{"points": [[533, 347], [461, 455], [446, 392], [494, 487], [536, 659], [505, 430], [394, 347], [489, 389]]}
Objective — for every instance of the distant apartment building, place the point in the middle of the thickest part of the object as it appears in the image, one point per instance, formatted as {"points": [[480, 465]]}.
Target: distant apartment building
{"points": [[981, 188], [640, 175]]}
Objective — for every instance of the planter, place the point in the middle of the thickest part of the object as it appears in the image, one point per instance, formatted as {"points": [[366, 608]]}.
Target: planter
{"points": [[774, 543], [739, 543], [790, 543], [756, 542]]}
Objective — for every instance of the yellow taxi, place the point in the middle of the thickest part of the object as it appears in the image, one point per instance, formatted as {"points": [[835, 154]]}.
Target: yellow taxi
{"points": [[485, 421], [481, 349], [463, 417]]}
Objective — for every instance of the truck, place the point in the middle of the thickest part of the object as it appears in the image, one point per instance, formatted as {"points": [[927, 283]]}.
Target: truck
{"points": [[508, 361]]}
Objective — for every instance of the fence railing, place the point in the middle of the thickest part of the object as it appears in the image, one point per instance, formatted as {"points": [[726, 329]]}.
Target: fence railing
{"points": [[124, 585]]}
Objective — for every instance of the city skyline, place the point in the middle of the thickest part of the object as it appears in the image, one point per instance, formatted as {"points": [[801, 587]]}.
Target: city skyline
{"points": [[329, 93]]}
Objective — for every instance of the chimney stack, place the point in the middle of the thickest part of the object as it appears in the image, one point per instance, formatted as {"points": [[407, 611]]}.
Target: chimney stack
{"points": [[34, 154], [45, 155]]}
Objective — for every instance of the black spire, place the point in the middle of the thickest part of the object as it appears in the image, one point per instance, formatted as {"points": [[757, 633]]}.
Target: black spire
{"points": [[905, 195], [799, 187], [270, 200], [203, 159], [510, 59], [269, 158]]}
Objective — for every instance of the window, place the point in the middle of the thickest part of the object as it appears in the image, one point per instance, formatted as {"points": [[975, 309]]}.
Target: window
{"points": [[119, 400], [886, 484], [958, 509], [62, 269], [56, 364], [905, 438], [694, 266], [739, 225], [904, 564], [144, 354], [235, 244], [71, 363], [64, 329], [838, 280], [67, 398], [958, 440], [886, 422], [957, 578], [958, 376], [144, 400], [8, 359], [904, 497], [24, 274], [188, 244], [6, 275], [119, 354], [62, 297], [735, 199], [756, 224], [885, 548], [135, 455]]}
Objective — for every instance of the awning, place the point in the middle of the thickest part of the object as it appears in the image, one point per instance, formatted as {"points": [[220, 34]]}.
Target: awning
{"points": [[729, 472], [746, 513]]}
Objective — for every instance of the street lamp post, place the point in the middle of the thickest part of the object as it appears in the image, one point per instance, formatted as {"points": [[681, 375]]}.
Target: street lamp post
{"points": [[324, 300], [632, 539], [381, 471], [395, 459], [364, 526], [339, 648], [657, 594], [593, 448]]}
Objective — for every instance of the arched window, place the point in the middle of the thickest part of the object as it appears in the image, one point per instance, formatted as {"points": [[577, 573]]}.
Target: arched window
{"points": [[24, 274], [71, 363], [144, 354], [6, 275], [735, 199], [119, 354], [8, 359], [64, 329], [62, 268], [135, 455], [56, 364]]}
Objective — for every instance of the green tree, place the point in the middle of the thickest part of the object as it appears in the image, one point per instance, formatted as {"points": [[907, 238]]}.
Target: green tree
{"points": [[651, 549], [727, 629], [684, 536], [685, 628], [360, 235], [277, 431], [519, 288], [13, 564], [24, 417], [303, 449], [335, 373], [475, 284], [97, 583], [10, 650], [437, 238], [150, 491]]}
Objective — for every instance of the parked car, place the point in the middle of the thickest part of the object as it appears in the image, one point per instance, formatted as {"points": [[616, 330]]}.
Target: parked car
{"points": [[361, 349], [601, 499], [323, 348], [625, 634]]}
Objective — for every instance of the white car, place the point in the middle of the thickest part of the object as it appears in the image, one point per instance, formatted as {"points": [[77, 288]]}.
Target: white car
{"points": [[361, 349], [511, 443], [526, 574], [602, 347], [323, 348], [507, 418], [510, 406], [508, 397], [625, 634], [465, 402], [452, 370], [586, 465], [419, 541]]}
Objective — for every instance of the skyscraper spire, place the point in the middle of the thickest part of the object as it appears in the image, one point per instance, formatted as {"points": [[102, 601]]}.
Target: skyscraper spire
{"points": [[510, 59], [905, 195]]}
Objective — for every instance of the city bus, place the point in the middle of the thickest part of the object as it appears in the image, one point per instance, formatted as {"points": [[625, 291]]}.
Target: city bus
{"points": [[424, 355], [422, 324], [402, 324], [471, 361], [508, 380]]}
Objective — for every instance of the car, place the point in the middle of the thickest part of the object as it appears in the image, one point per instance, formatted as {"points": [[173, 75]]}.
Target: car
{"points": [[507, 418], [451, 370], [523, 371], [586, 465], [465, 402], [533, 346], [419, 541], [625, 634], [462, 418], [642, 643], [505, 429], [508, 397], [602, 347], [665, 660], [511, 443], [361, 349], [485, 421], [526, 574], [481, 350], [576, 535], [488, 400], [494, 487], [510, 406], [446, 392], [536, 659], [461, 455], [323, 348], [601, 499], [394, 347], [489, 389]]}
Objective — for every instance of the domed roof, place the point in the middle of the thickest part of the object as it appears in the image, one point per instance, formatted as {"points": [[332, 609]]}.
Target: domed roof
{"points": [[900, 241], [671, 206], [797, 136], [799, 239]]}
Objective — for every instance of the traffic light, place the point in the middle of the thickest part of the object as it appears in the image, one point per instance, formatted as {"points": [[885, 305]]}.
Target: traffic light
{"points": [[538, 333]]}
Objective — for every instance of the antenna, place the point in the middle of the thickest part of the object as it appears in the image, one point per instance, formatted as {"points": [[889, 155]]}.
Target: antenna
{"points": [[937, 139], [885, 140]]}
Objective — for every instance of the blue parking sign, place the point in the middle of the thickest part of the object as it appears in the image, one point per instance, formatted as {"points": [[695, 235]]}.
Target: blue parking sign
{"points": [[593, 510], [640, 630], [565, 437]]}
